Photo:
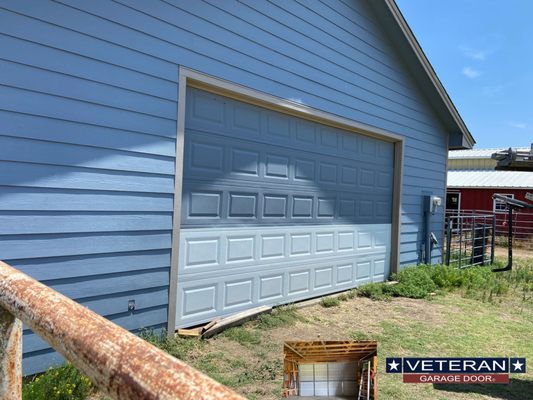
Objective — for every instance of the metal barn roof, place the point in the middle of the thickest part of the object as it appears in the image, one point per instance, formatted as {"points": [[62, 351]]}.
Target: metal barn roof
{"points": [[479, 153], [490, 179]]}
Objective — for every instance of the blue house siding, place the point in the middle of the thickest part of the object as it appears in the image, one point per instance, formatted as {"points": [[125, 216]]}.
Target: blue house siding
{"points": [[88, 94]]}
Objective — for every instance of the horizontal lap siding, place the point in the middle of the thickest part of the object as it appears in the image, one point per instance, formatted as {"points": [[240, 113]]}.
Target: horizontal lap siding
{"points": [[88, 95], [86, 176]]}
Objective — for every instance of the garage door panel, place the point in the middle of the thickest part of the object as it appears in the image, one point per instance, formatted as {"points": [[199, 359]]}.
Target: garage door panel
{"points": [[349, 388], [210, 250], [233, 119], [203, 296], [342, 370], [307, 388], [209, 155], [199, 300], [276, 209], [345, 270], [321, 388], [327, 379], [220, 205]]}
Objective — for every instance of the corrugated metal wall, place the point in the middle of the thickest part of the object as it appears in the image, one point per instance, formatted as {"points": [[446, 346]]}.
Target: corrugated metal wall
{"points": [[88, 118]]}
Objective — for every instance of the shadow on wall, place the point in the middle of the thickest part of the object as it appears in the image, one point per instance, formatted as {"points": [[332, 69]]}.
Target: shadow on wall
{"points": [[517, 389], [327, 183]]}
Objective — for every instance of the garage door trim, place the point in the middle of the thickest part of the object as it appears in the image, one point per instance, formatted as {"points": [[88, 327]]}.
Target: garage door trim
{"points": [[191, 78]]}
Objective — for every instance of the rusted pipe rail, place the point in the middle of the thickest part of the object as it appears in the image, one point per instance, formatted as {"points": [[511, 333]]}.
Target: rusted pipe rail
{"points": [[119, 364]]}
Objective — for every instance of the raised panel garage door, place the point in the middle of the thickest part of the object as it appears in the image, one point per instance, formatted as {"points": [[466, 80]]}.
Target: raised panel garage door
{"points": [[276, 209], [327, 379]]}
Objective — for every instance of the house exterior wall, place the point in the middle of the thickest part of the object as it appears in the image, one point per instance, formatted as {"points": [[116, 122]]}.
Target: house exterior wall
{"points": [[88, 101]]}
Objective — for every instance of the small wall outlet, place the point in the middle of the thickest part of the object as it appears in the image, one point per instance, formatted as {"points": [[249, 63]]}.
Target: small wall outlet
{"points": [[131, 305]]}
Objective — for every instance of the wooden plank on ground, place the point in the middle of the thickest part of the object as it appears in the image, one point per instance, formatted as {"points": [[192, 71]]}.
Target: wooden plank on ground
{"points": [[234, 320], [194, 332], [210, 324]]}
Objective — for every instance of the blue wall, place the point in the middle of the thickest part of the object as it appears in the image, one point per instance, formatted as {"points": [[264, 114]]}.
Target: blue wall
{"points": [[88, 119]]}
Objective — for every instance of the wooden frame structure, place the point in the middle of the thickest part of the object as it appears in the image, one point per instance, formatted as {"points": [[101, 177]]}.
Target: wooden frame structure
{"points": [[320, 351]]}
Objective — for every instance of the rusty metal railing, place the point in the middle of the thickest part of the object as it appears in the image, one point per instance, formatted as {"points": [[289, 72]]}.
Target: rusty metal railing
{"points": [[119, 364]]}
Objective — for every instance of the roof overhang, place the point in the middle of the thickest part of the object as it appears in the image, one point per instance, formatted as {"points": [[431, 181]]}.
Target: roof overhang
{"points": [[413, 55]]}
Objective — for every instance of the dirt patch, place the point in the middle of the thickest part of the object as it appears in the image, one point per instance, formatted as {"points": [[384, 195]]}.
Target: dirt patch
{"points": [[356, 318], [365, 316], [403, 326], [517, 252]]}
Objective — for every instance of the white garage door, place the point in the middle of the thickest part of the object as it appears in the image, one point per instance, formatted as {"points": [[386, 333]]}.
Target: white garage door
{"points": [[327, 379], [276, 209]]}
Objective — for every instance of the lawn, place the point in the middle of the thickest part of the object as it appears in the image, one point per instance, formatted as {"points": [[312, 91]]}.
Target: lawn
{"points": [[463, 322], [485, 314]]}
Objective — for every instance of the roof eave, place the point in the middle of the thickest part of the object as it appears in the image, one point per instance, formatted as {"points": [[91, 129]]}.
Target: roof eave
{"points": [[460, 137]]}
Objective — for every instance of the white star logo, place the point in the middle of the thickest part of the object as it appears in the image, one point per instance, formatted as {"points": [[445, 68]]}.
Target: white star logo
{"points": [[394, 365], [517, 365]]}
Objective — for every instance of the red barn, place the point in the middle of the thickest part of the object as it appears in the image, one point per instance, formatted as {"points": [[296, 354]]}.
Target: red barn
{"points": [[472, 181]]}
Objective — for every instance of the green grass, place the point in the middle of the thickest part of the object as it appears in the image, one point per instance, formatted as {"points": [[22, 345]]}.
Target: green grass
{"points": [[64, 383], [351, 294], [475, 313], [178, 347], [243, 336], [343, 297], [374, 291], [280, 316], [481, 283], [469, 328], [478, 313], [358, 335], [330, 302]]}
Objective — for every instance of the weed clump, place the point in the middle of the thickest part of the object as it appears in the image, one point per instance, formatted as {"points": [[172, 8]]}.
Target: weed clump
{"points": [[175, 346], [413, 282], [330, 302], [280, 316], [351, 294], [374, 291], [243, 336], [343, 297], [477, 282], [63, 383]]}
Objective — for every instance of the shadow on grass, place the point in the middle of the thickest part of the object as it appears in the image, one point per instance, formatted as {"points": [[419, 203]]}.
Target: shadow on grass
{"points": [[517, 389]]}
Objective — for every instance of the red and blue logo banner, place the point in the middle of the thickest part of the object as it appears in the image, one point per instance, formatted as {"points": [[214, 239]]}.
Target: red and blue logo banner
{"points": [[455, 369]]}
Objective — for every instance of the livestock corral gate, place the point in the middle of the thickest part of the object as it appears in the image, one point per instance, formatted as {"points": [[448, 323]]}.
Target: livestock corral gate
{"points": [[467, 201], [276, 208], [471, 236]]}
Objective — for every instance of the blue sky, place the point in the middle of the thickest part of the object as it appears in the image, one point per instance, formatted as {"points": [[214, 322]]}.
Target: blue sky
{"points": [[482, 51]]}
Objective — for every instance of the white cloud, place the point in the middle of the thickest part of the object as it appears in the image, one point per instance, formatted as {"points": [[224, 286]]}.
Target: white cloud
{"points": [[518, 125], [470, 72], [475, 54]]}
